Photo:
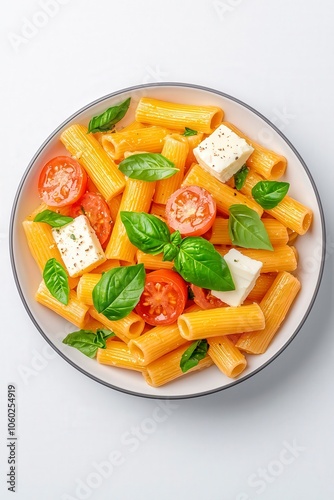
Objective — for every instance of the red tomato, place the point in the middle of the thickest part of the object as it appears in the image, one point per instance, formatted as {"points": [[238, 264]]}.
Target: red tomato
{"points": [[204, 298], [98, 213], [163, 299], [191, 210], [62, 181]]}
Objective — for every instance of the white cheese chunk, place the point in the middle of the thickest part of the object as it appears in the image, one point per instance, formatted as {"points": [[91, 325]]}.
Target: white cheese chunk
{"points": [[223, 153], [245, 272], [79, 246]]}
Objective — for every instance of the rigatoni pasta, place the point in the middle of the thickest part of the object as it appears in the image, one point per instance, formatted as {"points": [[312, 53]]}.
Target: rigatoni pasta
{"points": [[167, 368], [136, 197], [223, 194], [275, 306], [75, 311], [176, 150], [226, 356], [148, 139], [220, 321], [100, 167], [118, 354], [178, 116]]}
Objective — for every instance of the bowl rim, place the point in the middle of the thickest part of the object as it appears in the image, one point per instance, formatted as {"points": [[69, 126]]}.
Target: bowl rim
{"points": [[51, 137]]}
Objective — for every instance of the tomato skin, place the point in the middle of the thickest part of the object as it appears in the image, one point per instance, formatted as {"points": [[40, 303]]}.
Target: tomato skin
{"points": [[164, 297], [96, 209], [191, 210], [204, 299], [62, 181]]}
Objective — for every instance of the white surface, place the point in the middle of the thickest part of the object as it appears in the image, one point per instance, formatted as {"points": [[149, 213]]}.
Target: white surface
{"points": [[277, 56]]}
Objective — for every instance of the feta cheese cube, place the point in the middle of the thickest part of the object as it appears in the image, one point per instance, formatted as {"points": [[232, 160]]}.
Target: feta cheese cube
{"points": [[223, 153], [79, 246], [245, 272]]}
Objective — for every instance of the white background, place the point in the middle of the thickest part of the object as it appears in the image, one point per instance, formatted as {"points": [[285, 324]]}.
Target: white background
{"points": [[277, 56]]}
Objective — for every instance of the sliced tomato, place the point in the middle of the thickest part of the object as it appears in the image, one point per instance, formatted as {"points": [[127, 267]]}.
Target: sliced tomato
{"points": [[204, 298], [163, 299], [191, 210], [62, 181], [98, 213]]}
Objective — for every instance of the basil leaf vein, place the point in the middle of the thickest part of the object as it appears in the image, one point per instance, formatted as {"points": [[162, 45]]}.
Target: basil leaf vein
{"points": [[198, 262], [240, 177], [195, 352], [108, 119], [87, 341], [148, 167], [246, 229], [118, 291], [52, 218], [269, 194], [145, 231], [56, 281]]}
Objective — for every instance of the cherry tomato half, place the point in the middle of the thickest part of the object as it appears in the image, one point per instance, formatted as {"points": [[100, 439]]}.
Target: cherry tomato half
{"points": [[62, 181], [163, 299], [204, 298], [191, 210], [98, 213]]}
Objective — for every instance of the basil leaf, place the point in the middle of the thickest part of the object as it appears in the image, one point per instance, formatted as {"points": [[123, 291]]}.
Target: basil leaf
{"points": [[176, 237], [189, 131], [118, 291], [170, 252], [246, 229], [87, 341], [199, 263], [171, 249], [102, 334], [108, 119], [56, 281], [52, 218], [147, 167], [145, 231], [195, 352], [240, 177], [268, 194]]}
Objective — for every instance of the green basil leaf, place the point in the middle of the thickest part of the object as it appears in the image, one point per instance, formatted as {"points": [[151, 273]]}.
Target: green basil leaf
{"points": [[52, 218], [56, 281], [102, 334], [199, 263], [87, 341], [145, 231], [189, 131], [240, 177], [170, 252], [246, 229], [176, 237], [147, 167], [108, 119], [268, 194], [195, 352], [118, 291]]}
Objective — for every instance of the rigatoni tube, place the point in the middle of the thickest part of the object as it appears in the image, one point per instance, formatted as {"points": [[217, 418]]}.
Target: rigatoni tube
{"points": [[221, 321]]}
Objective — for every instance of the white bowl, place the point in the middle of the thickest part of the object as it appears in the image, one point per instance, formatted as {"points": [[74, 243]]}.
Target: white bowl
{"points": [[311, 247]]}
